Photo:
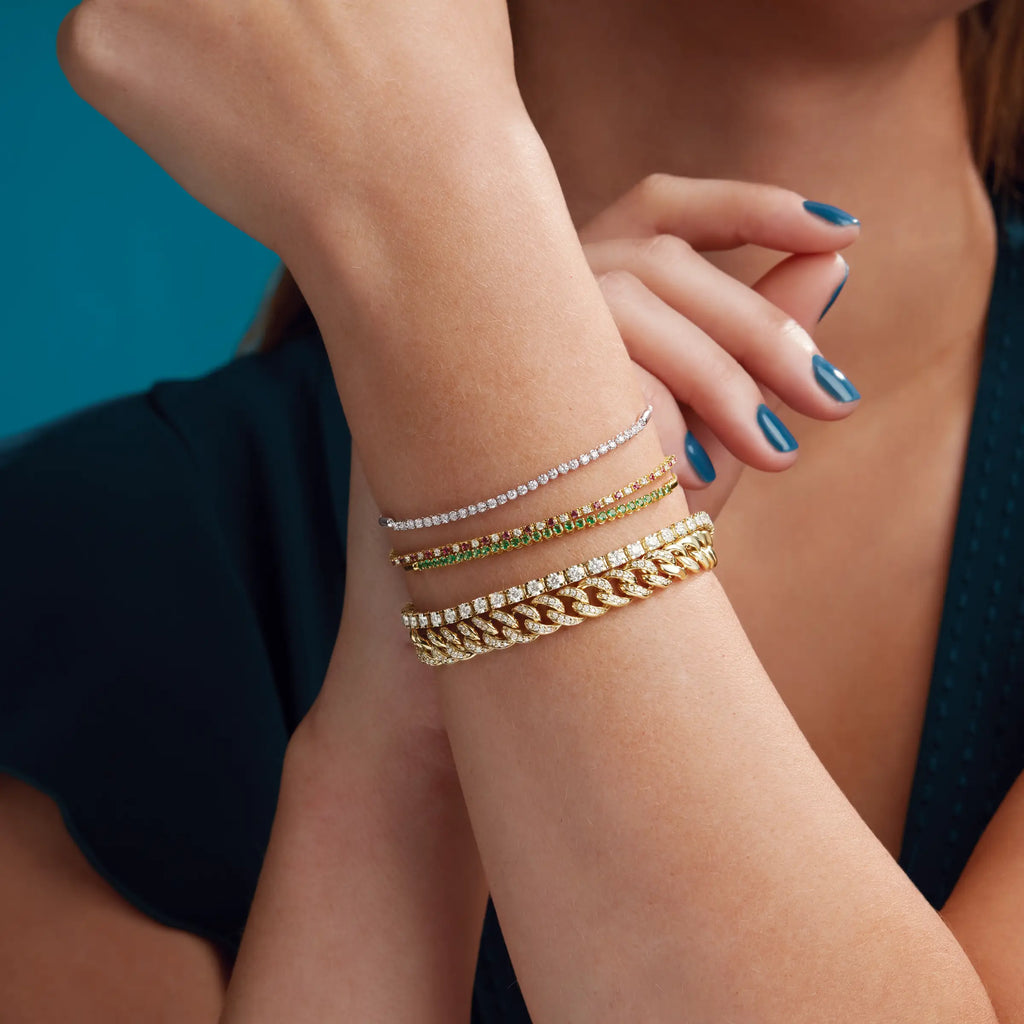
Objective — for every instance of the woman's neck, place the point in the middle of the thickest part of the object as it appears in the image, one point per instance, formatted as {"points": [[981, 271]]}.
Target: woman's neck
{"points": [[621, 90]]}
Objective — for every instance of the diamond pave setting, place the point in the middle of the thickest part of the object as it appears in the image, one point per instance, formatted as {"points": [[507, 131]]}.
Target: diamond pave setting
{"points": [[616, 505], [561, 580], [511, 493]]}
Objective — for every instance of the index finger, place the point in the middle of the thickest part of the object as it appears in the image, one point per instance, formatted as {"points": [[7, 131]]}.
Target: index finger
{"points": [[713, 214]]}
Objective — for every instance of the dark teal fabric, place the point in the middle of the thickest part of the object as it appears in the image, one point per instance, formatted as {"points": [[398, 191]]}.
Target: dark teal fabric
{"points": [[170, 569], [972, 746]]}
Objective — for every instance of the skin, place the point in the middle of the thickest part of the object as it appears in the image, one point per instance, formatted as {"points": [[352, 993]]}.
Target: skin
{"points": [[591, 761]]}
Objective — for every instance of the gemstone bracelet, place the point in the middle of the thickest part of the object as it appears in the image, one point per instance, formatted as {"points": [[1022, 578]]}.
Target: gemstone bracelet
{"points": [[602, 510], [520, 490]]}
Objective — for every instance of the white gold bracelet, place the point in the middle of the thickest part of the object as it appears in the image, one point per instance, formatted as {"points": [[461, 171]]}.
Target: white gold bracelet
{"points": [[477, 508]]}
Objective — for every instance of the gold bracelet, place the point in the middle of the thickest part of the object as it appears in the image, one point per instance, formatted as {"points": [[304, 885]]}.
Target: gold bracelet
{"points": [[598, 512], [569, 597]]}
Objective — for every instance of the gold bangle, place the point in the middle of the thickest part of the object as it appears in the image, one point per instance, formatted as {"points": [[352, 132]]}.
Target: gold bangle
{"points": [[569, 597], [596, 513]]}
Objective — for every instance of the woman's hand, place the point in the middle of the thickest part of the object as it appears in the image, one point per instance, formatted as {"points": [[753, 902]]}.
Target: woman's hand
{"points": [[711, 350], [266, 110]]}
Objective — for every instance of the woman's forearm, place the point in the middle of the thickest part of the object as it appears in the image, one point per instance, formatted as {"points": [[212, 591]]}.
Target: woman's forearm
{"points": [[658, 836], [370, 899]]}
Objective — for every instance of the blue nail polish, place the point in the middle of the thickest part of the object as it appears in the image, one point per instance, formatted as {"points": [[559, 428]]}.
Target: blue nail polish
{"points": [[698, 458], [840, 218], [775, 430], [835, 294], [833, 381]]}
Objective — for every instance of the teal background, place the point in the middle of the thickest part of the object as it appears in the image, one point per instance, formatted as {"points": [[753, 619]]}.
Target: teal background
{"points": [[111, 275]]}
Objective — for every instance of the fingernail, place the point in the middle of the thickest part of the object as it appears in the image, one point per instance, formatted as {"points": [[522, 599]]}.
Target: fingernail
{"points": [[833, 381], [775, 430], [840, 218], [835, 294], [698, 458]]}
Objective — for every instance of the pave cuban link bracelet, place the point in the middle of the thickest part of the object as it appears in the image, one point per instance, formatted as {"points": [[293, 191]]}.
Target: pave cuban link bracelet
{"points": [[568, 597], [521, 490], [605, 509]]}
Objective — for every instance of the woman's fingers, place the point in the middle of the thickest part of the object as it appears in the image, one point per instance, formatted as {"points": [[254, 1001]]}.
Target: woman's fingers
{"points": [[697, 371], [771, 343], [712, 215]]}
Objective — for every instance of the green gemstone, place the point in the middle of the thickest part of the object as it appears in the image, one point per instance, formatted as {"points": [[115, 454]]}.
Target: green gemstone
{"points": [[557, 530], [602, 517], [505, 545], [621, 510], [591, 521], [546, 534], [631, 506], [515, 542], [537, 535], [569, 527]]}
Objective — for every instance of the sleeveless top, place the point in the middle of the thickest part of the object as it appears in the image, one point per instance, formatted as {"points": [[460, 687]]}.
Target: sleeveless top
{"points": [[171, 569]]}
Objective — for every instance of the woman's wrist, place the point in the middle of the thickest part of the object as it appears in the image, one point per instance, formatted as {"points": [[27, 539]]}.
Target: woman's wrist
{"points": [[414, 177], [470, 342]]}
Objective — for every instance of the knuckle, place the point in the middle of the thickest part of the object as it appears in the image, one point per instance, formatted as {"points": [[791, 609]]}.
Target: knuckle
{"points": [[774, 203], [652, 194], [790, 333], [651, 187], [757, 207], [618, 283], [719, 373], [662, 247]]}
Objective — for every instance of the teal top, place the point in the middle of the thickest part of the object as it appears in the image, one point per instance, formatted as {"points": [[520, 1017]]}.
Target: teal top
{"points": [[171, 565]]}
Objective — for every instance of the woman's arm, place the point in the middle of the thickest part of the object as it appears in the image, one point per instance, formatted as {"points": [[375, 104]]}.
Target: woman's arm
{"points": [[371, 895], [659, 838]]}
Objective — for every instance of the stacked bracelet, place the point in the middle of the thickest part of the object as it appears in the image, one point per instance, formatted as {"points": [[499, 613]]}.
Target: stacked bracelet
{"points": [[520, 490], [596, 513], [539, 607]]}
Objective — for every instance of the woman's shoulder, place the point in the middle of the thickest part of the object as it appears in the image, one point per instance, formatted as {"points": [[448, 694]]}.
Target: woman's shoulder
{"points": [[172, 584], [215, 500], [263, 422]]}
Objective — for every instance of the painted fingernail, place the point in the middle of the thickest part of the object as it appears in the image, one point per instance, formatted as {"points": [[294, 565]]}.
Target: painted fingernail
{"points": [[775, 430], [698, 458], [840, 218], [835, 294], [833, 381]]}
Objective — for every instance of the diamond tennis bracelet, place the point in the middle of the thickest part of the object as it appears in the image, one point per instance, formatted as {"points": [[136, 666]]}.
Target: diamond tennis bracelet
{"points": [[520, 490], [602, 510]]}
